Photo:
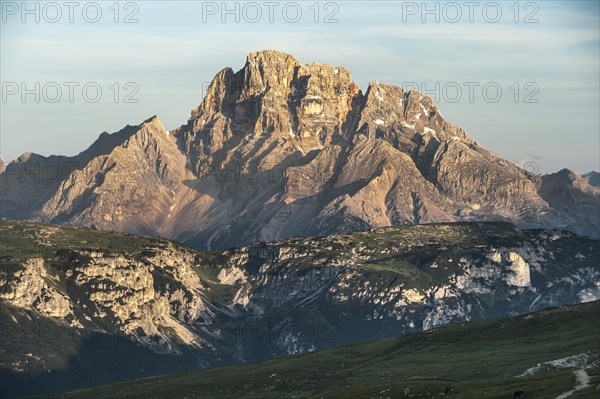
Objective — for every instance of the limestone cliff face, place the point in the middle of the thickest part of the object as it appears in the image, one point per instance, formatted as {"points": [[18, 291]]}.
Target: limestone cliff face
{"points": [[284, 149], [273, 97], [29, 287], [153, 295], [154, 299]]}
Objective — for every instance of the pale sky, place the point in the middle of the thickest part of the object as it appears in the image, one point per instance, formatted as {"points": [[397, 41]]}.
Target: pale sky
{"points": [[550, 54]]}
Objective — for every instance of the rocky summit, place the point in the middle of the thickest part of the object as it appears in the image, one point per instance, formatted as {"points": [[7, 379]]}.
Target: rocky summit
{"points": [[283, 149]]}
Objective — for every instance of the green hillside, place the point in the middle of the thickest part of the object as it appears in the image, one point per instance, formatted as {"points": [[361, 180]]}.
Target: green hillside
{"points": [[483, 359]]}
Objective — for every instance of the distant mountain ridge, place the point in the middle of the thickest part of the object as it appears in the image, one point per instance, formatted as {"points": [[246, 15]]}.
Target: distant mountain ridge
{"points": [[283, 149]]}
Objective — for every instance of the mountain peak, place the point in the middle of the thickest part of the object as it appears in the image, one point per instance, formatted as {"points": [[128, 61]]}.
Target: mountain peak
{"points": [[308, 106], [154, 122], [26, 156], [567, 175], [271, 57], [593, 178], [152, 119], [281, 149], [304, 106]]}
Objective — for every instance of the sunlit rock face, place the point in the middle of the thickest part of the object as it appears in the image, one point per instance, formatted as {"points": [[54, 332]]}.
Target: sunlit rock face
{"points": [[285, 149], [171, 299]]}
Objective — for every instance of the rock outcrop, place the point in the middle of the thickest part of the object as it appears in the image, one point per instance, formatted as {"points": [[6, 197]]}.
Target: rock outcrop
{"points": [[75, 301]]}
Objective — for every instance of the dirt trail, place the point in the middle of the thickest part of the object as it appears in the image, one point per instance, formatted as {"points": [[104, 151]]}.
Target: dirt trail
{"points": [[582, 380]]}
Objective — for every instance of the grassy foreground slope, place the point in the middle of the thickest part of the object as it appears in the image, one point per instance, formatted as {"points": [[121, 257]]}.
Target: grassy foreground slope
{"points": [[484, 359]]}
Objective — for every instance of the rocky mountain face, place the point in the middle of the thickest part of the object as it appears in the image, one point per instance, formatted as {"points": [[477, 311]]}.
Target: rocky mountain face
{"points": [[573, 197], [124, 181], [282, 149], [592, 178], [83, 307]]}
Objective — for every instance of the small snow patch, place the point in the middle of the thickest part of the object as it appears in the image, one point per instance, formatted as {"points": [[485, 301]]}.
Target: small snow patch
{"points": [[431, 131], [379, 122]]}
